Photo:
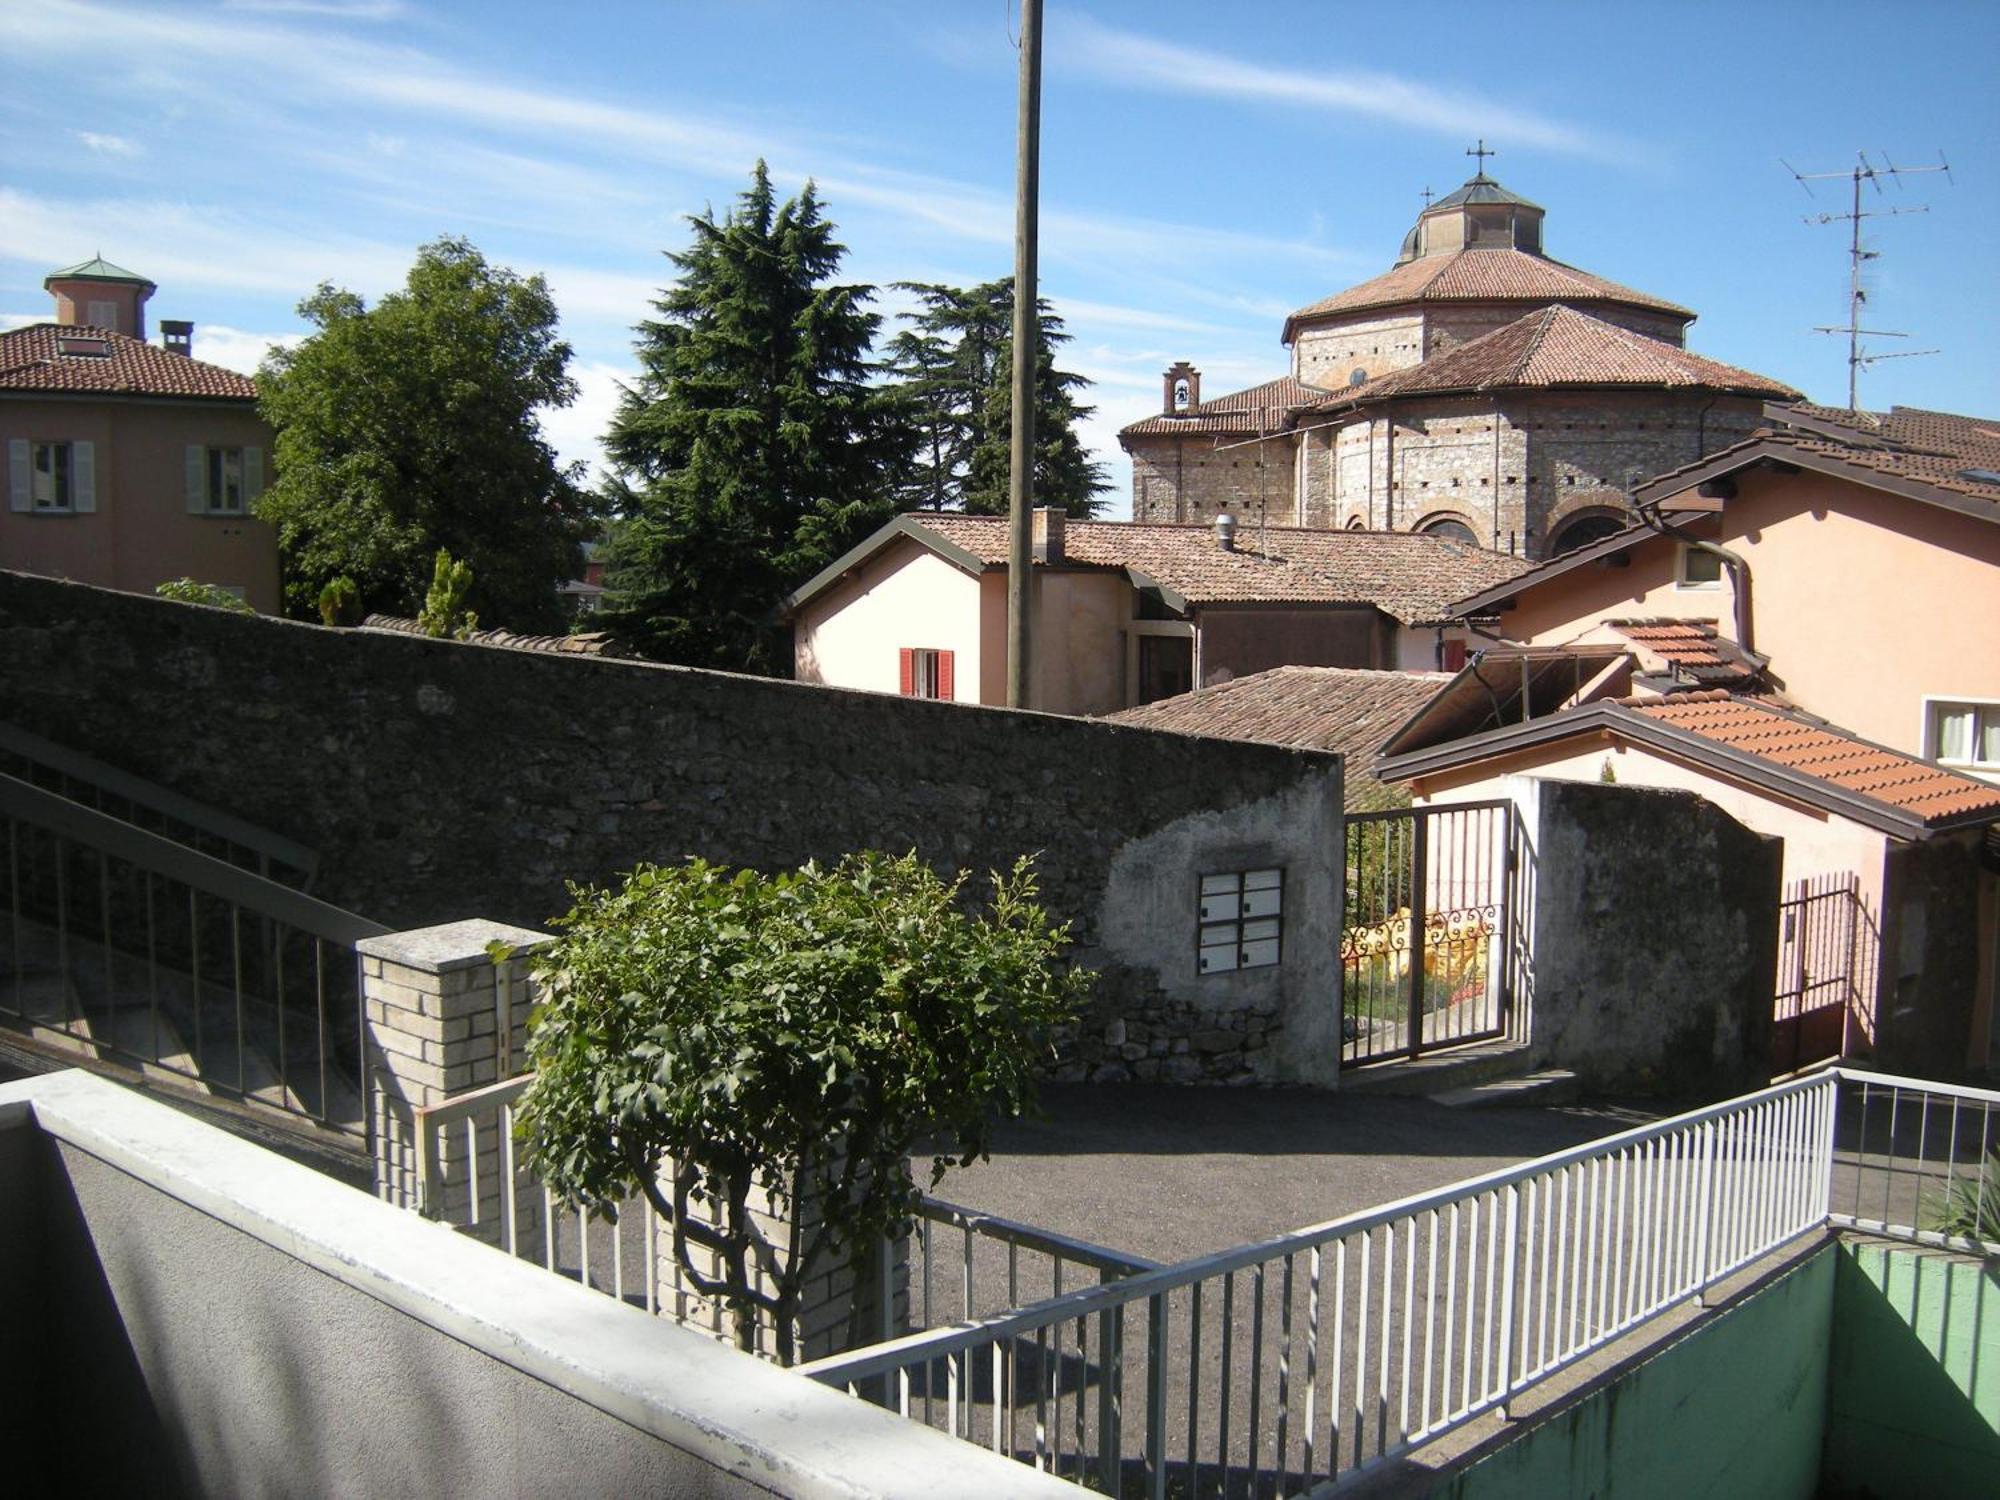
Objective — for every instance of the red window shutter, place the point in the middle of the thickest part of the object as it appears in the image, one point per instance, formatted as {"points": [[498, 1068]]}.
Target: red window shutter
{"points": [[1454, 656], [906, 660], [944, 674]]}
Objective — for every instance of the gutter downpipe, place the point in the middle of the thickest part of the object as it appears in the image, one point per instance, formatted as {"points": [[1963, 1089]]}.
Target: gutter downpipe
{"points": [[1739, 570]]}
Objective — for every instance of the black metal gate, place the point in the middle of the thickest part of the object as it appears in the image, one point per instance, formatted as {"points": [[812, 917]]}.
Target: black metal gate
{"points": [[1433, 943], [1827, 950]]}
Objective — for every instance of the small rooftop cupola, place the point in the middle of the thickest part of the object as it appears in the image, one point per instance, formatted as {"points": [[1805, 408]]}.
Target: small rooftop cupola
{"points": [[100, 295], [1479, 215], [1180, 389]]}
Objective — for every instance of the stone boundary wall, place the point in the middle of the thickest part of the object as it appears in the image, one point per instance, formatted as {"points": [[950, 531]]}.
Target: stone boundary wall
{"points": [[1655, 941], [437, 780]]}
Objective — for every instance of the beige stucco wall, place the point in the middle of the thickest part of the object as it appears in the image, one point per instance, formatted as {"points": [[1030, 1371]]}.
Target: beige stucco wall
{"points": [[141, 533], [906, 595], [1866, 603], [1079, 644]]}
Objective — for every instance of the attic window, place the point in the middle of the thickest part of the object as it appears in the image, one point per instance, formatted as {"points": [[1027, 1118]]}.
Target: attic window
{"points": [[86, 348]]}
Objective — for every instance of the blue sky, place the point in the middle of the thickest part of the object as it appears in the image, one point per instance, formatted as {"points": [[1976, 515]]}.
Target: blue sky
{"points": [[1205, 170]]}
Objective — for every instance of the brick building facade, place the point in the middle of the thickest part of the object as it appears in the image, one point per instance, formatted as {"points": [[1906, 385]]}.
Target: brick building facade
{"points": [[1478, 389]]}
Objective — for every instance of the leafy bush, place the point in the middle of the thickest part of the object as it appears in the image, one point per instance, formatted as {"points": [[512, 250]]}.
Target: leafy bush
{"points": [[191, 591], [799, 1034], [340, 602]]}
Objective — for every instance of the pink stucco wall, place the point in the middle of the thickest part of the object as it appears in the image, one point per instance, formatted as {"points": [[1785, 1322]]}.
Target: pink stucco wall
{"points": [[904, 596], [1866, 603], [141, 533]]}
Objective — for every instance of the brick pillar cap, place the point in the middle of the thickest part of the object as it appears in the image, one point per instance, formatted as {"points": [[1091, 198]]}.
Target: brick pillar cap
{"points": [[452, 945]]}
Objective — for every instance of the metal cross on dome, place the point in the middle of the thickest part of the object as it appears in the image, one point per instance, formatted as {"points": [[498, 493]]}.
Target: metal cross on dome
{"points": [[1482, 153]]}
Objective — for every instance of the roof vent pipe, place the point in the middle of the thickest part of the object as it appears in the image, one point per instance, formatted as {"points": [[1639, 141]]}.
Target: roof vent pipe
{"points": [[1225, 532]]}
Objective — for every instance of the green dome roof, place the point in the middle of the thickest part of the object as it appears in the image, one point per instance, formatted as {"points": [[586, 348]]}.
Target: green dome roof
{"points": [[97, 268]]}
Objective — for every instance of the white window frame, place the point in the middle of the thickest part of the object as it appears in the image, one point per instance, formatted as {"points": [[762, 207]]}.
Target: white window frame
{"points": [[1933, 707], [1681, 580], [925, 681]]}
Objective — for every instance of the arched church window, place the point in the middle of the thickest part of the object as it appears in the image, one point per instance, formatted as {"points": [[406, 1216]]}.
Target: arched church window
{"points": [[1358, 376], [1451, 529], [1581, 531]]}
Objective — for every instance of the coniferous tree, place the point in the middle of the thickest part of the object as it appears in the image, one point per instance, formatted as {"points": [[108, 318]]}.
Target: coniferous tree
{"points": [[954, 367], [752, 450]]}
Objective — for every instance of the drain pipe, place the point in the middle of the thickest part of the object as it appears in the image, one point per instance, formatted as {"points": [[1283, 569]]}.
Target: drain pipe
{"points": [[1739, 570]]}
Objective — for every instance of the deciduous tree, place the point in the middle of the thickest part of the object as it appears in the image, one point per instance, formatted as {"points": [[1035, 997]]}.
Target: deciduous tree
{"points": [[412, 426]]}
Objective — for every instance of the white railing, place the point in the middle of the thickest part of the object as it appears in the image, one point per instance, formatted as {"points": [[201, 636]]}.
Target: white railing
{"points": [[1294, 1363], [956, 1264], [1330, 1349]]}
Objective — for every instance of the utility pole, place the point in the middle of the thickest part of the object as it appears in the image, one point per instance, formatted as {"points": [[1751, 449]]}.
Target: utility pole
{"points": [[1021, 478], [1857, 294]]}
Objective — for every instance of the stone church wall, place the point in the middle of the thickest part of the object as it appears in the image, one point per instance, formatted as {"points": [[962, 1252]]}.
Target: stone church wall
{"points": [[1328, 354], [1188, 479]]}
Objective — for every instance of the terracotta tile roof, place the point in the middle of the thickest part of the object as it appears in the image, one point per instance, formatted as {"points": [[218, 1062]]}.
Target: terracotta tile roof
{"points": [[1559, 346], [590, 643], [1825, 753], [1692, 650], [1482, 274], [1410, 576], [1320, 708], [1261, 408], [41, 357]]}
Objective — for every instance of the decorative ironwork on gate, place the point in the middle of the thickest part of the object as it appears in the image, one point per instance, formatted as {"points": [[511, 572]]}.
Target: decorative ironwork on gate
{"points": [[1433, 949]]}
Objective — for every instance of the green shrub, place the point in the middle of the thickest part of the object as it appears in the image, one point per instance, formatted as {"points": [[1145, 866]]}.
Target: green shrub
{"points": [[798, 1034], [191, 591]]}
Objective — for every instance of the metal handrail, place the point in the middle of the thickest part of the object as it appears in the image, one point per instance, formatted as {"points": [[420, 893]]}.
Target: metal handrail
{"points": [[1029, 1237], [142, 793], [164, 857], [1108, 1296]]}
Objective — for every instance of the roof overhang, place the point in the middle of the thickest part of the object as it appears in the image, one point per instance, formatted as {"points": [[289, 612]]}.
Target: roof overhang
{"points": [[909, 527], [1501, 595], [1754, 453], [1618, 722]]}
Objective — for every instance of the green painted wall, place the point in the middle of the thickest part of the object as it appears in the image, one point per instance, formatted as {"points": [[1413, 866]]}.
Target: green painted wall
{"points": [[1734, 1409], [1913, 1399]]}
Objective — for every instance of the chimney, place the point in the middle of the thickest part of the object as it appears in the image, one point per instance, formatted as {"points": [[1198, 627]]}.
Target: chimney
{"points": [[1048, 533], [1180, 388], [178, 336], [1225, 532]]}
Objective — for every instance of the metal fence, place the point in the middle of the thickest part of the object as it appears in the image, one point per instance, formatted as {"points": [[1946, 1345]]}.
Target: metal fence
{"points": [[1288, 1364], [1432, 937], [1828, 956], [135, 947], [955, 1264]]}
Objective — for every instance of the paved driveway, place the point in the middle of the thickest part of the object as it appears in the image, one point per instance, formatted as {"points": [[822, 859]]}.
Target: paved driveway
{"points": [[1172, 1172]]}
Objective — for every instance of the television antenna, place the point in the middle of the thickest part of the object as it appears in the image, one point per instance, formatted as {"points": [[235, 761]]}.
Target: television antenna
{"points": [[1864, 170]]}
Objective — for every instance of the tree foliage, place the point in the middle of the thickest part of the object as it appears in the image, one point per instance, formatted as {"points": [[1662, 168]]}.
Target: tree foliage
{"points": [[411, 426], [797, 1035], [193, 591], [752, 450], [953, 368]]}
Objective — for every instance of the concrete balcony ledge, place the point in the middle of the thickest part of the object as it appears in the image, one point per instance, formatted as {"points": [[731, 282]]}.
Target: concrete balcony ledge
{"points": [[248, 1326]]}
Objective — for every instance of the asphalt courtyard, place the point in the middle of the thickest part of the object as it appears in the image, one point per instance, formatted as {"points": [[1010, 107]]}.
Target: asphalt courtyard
{"points": [[1168, 1173]]}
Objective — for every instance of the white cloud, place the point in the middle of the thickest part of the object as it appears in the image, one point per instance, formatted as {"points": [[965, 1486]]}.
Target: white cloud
{"points": [[577, 430], [107, 145], [1143, 62], [234, 349], [339, 10]]}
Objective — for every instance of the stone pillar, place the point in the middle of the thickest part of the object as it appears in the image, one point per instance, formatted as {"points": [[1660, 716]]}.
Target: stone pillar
{"points": [[442, 1020]]}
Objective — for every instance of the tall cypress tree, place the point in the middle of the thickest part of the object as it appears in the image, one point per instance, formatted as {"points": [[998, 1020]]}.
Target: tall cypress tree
{"points": [[954, 365], [752, 450]]}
